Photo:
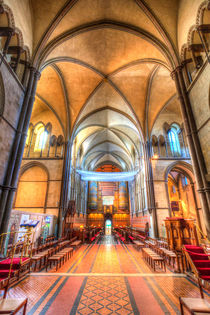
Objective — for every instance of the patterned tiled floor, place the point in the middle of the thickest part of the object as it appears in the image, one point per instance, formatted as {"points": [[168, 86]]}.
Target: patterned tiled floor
{"points": [[104, 278], [105, 296]]}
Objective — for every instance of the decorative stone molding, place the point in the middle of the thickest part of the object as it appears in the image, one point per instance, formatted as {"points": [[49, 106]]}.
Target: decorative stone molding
{"points": [[203, 6], [190, 35], [11, 23], [199, 20], [183, 49], [19, 36], [10, 14]]}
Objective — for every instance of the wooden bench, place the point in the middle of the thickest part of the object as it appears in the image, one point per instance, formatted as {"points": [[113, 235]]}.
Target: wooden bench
{"points": [[12, 306], [194, 305], [152, 258]]}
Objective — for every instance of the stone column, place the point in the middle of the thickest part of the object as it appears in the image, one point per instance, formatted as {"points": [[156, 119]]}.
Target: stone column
{"points": [[150, 189], [64, 189], [16, 154], [198, 150], [196, 205], [194, 145]]}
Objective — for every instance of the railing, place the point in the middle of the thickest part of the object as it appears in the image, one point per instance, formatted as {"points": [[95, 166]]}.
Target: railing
{"points": [[189, 261], [201, 236]]}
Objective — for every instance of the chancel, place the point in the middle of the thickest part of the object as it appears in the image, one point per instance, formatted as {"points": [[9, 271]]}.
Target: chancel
{"points": [[104, 163]]}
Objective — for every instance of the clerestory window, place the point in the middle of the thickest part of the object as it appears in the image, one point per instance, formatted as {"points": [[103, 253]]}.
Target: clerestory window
{"points": [[41, 137], [174, 140]]}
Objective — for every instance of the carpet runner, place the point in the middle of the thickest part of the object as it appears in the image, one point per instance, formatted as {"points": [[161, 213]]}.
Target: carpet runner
{"points": [[200, 260]]}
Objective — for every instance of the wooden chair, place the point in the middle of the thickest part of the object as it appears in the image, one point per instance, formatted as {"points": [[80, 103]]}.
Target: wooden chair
{"points": [[12, 306], [69, 252], [54, 259], [194, 305]]}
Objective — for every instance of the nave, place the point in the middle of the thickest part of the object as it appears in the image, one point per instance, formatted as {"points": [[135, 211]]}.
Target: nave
{"points": [[106, 277]]}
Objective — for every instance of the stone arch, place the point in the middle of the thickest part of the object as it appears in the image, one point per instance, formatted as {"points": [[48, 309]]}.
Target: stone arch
{"points": [[177, 163], [25, 167], [33, 184], [17, 31], [205, 5]]}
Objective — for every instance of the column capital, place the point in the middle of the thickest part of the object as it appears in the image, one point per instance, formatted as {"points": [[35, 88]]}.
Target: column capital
{"points": [[178, 69], [36, 72]]}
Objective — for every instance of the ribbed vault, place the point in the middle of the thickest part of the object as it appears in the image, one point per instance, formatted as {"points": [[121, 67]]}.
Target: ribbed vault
{"points": [[105, 74]]}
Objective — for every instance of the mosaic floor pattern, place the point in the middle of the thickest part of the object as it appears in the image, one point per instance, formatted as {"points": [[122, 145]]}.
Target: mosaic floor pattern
{"points": [[105, 296], [105, 278]]}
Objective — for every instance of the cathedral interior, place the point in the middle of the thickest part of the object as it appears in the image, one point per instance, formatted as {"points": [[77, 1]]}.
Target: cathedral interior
{"points": [[105, 157]]}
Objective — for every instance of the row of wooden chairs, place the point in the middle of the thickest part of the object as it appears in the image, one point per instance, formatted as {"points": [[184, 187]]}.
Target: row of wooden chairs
{"points": [[59, 257], [167, 255], [39, 259], [152, 258]]}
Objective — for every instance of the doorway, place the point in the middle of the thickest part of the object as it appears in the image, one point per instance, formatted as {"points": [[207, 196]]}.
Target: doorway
{"points": [[108, 227]]}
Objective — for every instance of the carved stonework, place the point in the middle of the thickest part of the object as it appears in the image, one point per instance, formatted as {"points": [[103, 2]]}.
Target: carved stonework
{"points": [[183, 50], [11, 22], [10, 15], [203, 6], [191, 35]]}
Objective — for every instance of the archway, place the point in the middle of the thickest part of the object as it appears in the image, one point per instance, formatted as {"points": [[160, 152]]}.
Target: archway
{"points": [[182, 194], [32, 188], [108, 227]]}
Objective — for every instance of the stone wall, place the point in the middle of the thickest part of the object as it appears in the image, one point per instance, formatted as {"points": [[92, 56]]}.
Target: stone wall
{"points": [[11, 98], [54, 168], [199, 98]]}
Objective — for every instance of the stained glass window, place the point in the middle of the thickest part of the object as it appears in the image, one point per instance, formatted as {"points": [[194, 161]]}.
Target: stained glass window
{"points": [[41, 137], [174, 141]]}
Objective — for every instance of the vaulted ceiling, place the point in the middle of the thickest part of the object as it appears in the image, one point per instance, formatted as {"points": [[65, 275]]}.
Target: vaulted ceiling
{"points": [[106, 68]]}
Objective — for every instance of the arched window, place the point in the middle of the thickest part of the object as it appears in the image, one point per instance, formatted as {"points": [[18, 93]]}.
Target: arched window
{"points": [[41, 137], [174, 140], [29, 135]]}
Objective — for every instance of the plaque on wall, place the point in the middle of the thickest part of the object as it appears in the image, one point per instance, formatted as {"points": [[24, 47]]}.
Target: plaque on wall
{"points": [[175, 205]]}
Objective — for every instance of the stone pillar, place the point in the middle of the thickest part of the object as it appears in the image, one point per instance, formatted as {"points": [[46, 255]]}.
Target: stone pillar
{"points": [[196, 205], [64, 189], [16, 154], [150, 189], [194, 145], [198, 150]]}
